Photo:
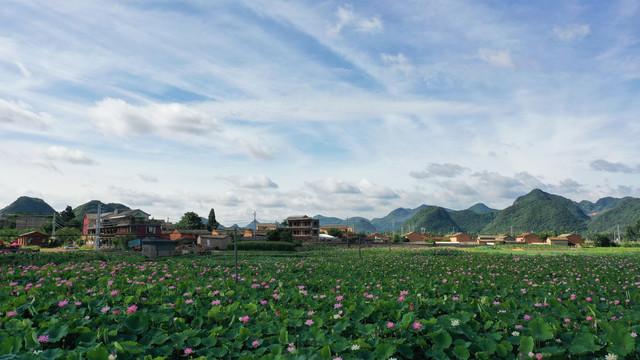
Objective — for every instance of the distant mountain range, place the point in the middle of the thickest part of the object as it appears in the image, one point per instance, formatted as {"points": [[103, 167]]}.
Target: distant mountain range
{"points": [[536, 211]]}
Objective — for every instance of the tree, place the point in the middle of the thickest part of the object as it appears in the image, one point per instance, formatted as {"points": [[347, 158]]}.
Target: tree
{"points": [[336, 233], [67, 236], [212, 224], [632, 232], [273, 235], [67, 214], [601, 240], [190, 220]]}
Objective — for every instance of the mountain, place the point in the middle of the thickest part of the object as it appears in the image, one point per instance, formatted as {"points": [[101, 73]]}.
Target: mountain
{"points": [[395, 218], [433, 219], [604, 204], [481, 208], [539, 211], [25, 204], [325, 220], [627, 212], [361, 224], [472, 222], [252, 225], [92, 208]]}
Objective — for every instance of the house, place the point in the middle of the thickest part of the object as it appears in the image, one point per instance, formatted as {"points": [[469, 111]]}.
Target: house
{"points": [[489, 240], [461, 238], [303, 228], [529, 238], [120, 223], [218, 242], [566, 239], [155, 247], [187, 234], [33, 238], [380, 238], [344, 229], [504, 238], [415, 237]]}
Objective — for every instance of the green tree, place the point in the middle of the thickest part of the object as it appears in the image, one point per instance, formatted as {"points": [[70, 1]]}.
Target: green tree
{"points": [[190, 220], [285, 235], [66, 236], [336, 233], [273, 235], [601, 240], [632, 232], [212, 224], [67, 214], [75, 223]]}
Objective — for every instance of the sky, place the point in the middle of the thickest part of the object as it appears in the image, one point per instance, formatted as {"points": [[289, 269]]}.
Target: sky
{"points": [[340, 108]]}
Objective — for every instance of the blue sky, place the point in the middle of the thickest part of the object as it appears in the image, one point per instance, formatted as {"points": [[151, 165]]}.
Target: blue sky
{"points": [[306, 107]]}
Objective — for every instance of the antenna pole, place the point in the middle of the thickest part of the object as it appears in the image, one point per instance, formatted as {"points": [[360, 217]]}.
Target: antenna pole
{"points": [[96, 244]]}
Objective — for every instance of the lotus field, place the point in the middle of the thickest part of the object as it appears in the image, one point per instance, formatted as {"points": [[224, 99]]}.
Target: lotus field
{"points": [[402, 304]]}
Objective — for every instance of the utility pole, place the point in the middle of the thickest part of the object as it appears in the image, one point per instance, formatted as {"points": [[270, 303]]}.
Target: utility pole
{"points": [[255, 224], [235, 250], [53, 228], [96, 245]]}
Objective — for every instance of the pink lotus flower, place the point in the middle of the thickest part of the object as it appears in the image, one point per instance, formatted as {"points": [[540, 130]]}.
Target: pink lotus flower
{"points": [[113, 292], [417, 325], [255, 343], [132, 309], [11, 313], [105, 309], [188, 351], [245, 319], [527, 317], [43, 338], [390, 325], [309, 322], [63, 303], [215, 302]]}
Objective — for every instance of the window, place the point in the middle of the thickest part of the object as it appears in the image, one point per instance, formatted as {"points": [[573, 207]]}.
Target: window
{"points": [[151, 230]]}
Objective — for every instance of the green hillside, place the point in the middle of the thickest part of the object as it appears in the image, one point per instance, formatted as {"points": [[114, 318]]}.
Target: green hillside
{"points": [[361, 224], [539, 211], [604, 204], [481, 208], [434, 219], [395, 218], [92, 208], [27, 205], [627, 212], [326, 220], [472, 222], [539, 195]]}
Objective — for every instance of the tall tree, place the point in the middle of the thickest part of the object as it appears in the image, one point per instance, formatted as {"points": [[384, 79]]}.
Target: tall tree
{"points": [[67, 214], [190, 220], [212, 224]]}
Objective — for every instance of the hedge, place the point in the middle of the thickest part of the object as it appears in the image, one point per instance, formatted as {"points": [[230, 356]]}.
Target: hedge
{"points": [[264, 245]]}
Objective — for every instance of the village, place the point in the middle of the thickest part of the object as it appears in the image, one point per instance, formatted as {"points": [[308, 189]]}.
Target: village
{"points": [[139, 230]]}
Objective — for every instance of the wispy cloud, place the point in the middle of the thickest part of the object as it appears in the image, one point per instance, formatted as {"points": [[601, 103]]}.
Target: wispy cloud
{"points": [[254, 182], [496, 58], [21, 115], [618, 167], [58, 154], [571, 32], [445, 170], [347, 18]]}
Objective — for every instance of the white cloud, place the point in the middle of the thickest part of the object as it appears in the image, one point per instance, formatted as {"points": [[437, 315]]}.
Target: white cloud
{"points": [[445, 170], [397, 63], [23, 70], [496, 58], [255, 182], [571, 32], [58, 154], [333, 186], [370, 189], [606, 166], [348, 18], [22, 116], [148, 178], [255, 150], [116, 117]]}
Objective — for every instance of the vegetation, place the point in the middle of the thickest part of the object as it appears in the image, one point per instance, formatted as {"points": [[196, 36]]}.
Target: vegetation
{"points": [[626, 213], [470, 221], [435, 220], [92, 208], [28, 205], [212, 224], [190, 220], [480, 305], [264, 245], [279, 234]]}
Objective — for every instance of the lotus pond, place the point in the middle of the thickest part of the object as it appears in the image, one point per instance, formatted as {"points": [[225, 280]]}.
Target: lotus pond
{"points": [[403, 304]]}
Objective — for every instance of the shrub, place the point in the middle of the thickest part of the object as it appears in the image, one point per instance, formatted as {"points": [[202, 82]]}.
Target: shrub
{"points": [[264, 246], [603, 241]]}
